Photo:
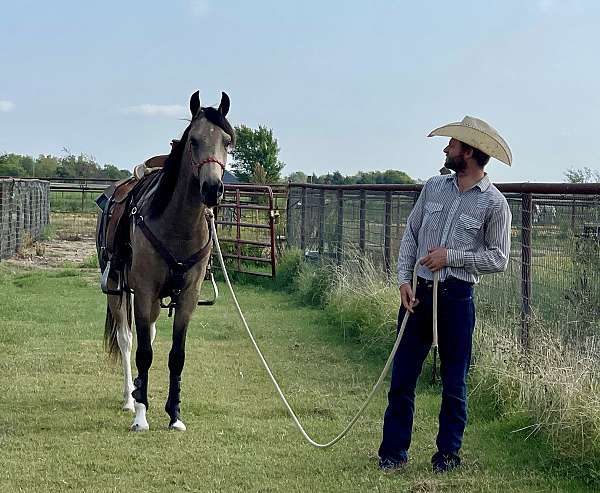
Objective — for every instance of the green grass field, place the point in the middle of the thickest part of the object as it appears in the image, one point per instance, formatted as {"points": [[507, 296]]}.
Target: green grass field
{"points": [[61, 428]]}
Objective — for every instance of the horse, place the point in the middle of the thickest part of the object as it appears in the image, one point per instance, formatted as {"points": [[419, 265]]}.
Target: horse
{"points": [[169, 249]]}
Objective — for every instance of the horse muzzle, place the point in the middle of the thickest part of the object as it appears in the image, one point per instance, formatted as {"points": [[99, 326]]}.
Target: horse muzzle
{"points": [[212, 192]]}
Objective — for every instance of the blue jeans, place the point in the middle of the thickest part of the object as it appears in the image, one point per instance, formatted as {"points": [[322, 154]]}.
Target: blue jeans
{"points": [[456, 320]]}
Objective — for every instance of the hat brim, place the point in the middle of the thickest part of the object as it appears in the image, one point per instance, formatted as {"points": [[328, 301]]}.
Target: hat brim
{"points": [[492, 145]]}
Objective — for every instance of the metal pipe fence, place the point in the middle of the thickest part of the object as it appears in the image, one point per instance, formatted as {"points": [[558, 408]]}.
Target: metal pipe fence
{"points": [[553, 276], [24, 212]]}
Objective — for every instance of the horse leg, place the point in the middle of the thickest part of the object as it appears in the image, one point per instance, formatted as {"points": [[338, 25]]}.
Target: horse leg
{"points": [[177, 359], [125, 338], [120, 332], [146, 313]]}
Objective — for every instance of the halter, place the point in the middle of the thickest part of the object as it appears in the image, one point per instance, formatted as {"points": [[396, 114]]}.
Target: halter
{"points": [[209, 159]]}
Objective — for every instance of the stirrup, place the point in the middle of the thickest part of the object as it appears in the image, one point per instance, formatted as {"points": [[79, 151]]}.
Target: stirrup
{"points": [[104, 282], [215, 292]]}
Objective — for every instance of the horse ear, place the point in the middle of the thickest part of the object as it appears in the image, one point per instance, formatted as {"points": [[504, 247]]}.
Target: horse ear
{"points": [[224, 105], [195, 103]]}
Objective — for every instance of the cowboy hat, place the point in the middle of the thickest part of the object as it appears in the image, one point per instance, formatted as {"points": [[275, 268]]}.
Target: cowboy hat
{"points": [[477, 134]]}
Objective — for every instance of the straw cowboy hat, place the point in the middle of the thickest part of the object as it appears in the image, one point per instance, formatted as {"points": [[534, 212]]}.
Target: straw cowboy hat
{"points": [[477, 134]]}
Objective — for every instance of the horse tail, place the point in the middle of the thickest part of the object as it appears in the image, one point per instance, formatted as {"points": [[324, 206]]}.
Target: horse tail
{"points": [[111, 345], [111, 325]]}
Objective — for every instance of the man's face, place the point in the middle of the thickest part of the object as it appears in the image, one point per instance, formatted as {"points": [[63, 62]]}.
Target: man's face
{"points": [[454, 156]]}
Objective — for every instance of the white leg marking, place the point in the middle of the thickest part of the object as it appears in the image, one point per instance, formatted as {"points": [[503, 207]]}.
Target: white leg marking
{"points": [[124, 339], [178, 425], [152, 332], [140, 423]]}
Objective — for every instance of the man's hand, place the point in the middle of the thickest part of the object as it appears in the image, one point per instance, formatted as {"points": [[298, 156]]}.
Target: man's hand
{"points": [[436, 260], [408, 298]]}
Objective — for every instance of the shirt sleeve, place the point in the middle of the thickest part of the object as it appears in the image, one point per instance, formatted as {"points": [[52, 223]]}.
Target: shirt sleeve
{"points": [[407, 255], [494, 256]]}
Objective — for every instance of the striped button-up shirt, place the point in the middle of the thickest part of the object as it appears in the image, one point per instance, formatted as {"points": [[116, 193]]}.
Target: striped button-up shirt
{"points": [[473, 225]]}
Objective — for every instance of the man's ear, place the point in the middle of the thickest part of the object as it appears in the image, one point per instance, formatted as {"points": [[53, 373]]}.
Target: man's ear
{"points": [[468, 153]]}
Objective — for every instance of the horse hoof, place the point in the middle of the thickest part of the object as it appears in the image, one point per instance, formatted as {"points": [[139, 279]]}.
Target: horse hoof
{"points": [[177, 425], [140, 427]]}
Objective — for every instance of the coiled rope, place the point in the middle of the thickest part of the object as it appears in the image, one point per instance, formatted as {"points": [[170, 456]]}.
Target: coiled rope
{"points": [[384, 372]]}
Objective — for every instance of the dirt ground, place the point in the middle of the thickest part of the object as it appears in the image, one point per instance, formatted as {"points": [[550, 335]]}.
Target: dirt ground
{"points": [[55, 253]]}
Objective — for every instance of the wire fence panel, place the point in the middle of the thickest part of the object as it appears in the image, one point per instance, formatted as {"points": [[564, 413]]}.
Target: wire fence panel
{"points": [[24, 212], [553, 276]]}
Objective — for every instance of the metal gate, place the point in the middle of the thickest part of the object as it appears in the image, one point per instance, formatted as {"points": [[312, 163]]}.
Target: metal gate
{"points": [[246, 219]]}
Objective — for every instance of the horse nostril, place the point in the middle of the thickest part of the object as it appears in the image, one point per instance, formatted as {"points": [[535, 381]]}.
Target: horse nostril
{"points": [[205, 188], [220, 190]]}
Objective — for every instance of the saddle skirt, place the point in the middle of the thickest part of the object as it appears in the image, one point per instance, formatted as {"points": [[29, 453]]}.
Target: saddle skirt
{"points": [[112, 239]]}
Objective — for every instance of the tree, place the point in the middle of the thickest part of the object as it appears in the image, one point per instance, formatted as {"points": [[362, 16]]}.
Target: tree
{"points": [[46, 166], [112, 172], [391, 176], [256, 147], [582, 175], [297, 177], [259, 175], [11, 169]]}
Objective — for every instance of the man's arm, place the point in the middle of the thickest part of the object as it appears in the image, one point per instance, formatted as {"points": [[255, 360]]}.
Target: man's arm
{"points": [[497, 240], [407, 255]]}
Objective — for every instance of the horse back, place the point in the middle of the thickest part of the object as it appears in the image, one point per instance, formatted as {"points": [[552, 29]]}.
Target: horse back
{"points": [[112, 236]]}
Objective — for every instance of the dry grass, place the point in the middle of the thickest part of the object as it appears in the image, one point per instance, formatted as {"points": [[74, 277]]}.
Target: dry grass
{"points": [[555, 384]]}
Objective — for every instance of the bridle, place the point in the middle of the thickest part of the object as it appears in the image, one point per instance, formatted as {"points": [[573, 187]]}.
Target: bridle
{"points": [[209, 159]]}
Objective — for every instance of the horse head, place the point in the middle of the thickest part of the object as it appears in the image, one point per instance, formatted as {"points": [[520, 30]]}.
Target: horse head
{"points": [[209, 138]]}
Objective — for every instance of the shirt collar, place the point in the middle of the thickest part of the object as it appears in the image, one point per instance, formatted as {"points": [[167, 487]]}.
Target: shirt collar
{"points": [[482, 184]]}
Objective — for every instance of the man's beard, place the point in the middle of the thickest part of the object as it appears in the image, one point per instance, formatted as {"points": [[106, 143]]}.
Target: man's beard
{"points": [[456, 163]]}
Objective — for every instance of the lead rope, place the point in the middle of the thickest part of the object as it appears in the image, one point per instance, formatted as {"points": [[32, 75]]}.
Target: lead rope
{"points": [[384, 372]]}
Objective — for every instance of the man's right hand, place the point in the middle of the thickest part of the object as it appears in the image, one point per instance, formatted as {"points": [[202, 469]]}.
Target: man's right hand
{"points": [[408, 298]]}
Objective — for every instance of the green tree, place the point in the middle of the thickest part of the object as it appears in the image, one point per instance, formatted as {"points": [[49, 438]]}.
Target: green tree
{"points": [[259, 175], [297, 177], [11, 169], [256, 147], [46, 166], [582, 175], [81, 166], [112, 172]]}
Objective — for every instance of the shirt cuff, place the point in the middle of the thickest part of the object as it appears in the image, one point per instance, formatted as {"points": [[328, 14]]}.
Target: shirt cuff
{"points": [[455, 258], [404, 277]]}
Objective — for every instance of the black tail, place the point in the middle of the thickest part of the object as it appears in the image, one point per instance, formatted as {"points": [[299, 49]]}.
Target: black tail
{"points": [[111, 344]]}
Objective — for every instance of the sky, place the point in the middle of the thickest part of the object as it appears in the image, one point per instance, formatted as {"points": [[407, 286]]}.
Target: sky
{"points": [[345, 85]]}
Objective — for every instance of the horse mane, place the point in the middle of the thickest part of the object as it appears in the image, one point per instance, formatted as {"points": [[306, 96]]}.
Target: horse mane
{"points": [[170, 171]]}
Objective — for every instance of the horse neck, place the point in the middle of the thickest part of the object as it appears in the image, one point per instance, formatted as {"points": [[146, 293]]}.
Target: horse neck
{"points": [[183, 217]]}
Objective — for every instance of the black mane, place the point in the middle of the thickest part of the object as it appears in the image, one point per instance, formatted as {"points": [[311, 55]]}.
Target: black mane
{"points": [[170, 171]]}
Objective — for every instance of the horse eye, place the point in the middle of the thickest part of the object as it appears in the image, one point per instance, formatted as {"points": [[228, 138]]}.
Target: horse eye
{"points": [[193, 142]]}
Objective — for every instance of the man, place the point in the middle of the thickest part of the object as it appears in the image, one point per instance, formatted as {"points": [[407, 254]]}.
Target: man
{"points": [[460, 228]]}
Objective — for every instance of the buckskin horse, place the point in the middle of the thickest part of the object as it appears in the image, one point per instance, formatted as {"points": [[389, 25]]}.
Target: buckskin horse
{"points": [[161, 250]]}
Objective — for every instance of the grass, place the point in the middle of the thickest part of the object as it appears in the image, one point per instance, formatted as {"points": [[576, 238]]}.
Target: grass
{"points": [[61, 428]]}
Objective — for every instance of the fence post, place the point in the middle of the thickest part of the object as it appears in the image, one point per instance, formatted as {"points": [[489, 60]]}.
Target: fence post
{"points": [[387, 233], [321, 221], [362, 220], [573, 216], [303, 220], [340, 226], [526, 212]]}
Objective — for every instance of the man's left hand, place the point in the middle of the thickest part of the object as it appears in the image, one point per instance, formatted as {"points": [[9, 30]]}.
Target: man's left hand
{"points": [[436, 260]]}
